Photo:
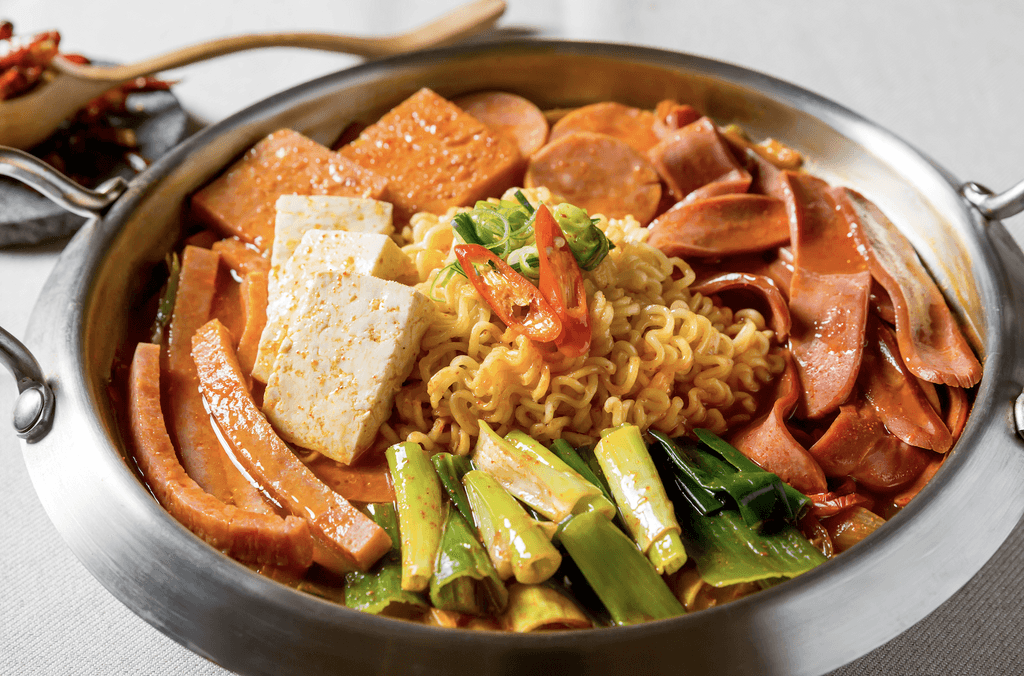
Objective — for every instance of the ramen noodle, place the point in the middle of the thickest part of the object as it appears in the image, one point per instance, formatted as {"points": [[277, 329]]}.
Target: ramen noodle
{"points": [[661, 356]]}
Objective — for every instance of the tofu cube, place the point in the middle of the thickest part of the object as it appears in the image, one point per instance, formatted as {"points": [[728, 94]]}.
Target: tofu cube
{"points": [[297, 213], [337, 371], [240, 202], [323, 251]]}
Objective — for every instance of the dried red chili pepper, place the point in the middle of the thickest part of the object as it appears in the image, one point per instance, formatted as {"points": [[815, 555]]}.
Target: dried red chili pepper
{"points": [[513, 298], [561, 284]]}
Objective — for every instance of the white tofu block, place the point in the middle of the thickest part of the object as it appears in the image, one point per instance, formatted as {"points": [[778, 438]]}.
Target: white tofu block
{"points": [[338, 369], [323, 251], [298, 213]]}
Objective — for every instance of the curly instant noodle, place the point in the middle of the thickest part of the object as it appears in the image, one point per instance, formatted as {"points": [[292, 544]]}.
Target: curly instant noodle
{"points": [[661, 356]]}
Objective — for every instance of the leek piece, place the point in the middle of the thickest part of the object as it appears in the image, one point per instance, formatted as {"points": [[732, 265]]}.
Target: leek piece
{"points": [[537, 478], [588, 243], [567, 454], [535, 450], [165, 308], [648, 513], [692, 483], [381, 587], [532, 607], [517, 544], [761, 497], [465, 580], [798, 502], [620, 575], [728, 551], [451, 468], [418, 496]]}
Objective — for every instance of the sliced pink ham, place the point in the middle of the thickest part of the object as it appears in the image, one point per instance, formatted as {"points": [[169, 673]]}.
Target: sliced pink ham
{"points": [[857, 445], [721, 226], [760, 285], [893, 392], [930, 341], [828, 299], [670, 115], [693, 157], [768, 442]]}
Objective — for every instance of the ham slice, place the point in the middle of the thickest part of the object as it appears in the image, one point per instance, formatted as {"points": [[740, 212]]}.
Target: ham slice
{"points": [[721, 226], [893, 392], [759, 285], [695, 156], [828, 298], [246, 536], [857, 445], [930, 341], [670, 115], [345, 538], [768, 442]]}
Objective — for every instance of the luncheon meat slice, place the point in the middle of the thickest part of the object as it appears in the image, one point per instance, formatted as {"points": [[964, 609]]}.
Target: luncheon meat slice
{"points": [[726, 225], [828, 298], [346, 539], [898, 401], [435, 155], [693, 157], [246, 536], [240, 257], [857, 445], [512, 116], [599, 173], [254, 303], [240, 202], [768, 442], [760, 285], [631, 125], [930, 341], [202, 454]]}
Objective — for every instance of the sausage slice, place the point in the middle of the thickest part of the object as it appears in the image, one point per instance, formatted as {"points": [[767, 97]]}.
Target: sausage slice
{"points": [[599, 173]]}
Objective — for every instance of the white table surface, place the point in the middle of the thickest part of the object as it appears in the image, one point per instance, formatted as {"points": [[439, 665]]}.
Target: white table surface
{"points": [[944, 75]]}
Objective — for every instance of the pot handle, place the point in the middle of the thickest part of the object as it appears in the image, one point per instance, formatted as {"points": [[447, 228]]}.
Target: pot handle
{"points": [[995, 206], [34, 408], [32, 171]]}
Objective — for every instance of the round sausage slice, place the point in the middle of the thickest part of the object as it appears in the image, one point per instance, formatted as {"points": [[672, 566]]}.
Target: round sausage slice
{"points": [[599, 173], [509, 115], [632, 125]]}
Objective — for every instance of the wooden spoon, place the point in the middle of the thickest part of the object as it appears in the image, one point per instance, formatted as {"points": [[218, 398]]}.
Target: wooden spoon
{"points": [[26, 120]]}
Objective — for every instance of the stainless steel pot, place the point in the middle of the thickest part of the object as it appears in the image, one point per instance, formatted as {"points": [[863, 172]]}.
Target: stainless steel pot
{"points": [[252, 625]]}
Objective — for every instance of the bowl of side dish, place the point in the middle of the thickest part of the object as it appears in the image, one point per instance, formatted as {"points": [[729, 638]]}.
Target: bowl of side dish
{"points": [[251, 624]]}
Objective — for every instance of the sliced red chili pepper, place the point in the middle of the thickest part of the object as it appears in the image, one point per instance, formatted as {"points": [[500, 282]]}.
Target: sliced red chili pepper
{"points": [[512, 297], [561, 284]]}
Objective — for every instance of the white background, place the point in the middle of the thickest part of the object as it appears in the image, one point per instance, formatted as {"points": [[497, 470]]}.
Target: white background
{"points": [[945, 75]]}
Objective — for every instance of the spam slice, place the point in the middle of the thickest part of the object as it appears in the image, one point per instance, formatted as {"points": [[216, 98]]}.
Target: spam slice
{"points": [[343, 360], [435, 155], [323, 251], [241, 201]]}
